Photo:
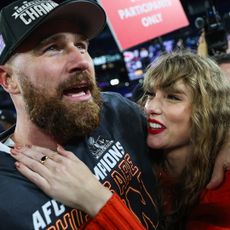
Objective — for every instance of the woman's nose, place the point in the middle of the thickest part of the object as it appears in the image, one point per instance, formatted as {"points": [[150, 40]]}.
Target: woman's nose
{"points": [[153, 106]]}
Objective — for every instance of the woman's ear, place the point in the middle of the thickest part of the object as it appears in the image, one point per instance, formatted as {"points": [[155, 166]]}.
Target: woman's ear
{"points": [[7, 81]]}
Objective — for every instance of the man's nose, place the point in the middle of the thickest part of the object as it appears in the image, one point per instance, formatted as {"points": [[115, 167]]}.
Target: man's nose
{"points": [[77, 59]]}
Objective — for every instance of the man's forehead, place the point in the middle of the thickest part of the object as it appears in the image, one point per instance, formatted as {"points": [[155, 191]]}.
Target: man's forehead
{"points": [[225, 67], [55, 26], [50, 29]]}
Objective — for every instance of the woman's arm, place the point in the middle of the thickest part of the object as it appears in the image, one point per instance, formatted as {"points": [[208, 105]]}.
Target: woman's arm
{"points": [[62, 176], [221, 165], [213, 210], [114, 215]]}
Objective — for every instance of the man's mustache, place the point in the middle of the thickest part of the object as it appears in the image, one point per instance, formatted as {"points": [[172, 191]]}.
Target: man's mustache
{"points": [[76, 79]]}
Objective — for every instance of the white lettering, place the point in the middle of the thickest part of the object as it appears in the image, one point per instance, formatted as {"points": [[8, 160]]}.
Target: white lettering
{"points": [[102, 168], [33, 10], [119, 146], [58, 210], [121, 14], [22, 17], [151, 20], [99, 175], [38, 221], [40, 10], [32, 14], [47, 211], [106, 166], [109, 160], [48, 208], [49, 6], [143, 8]]}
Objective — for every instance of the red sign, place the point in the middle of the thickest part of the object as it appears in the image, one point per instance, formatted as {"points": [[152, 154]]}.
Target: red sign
{"points": [[135, 21]]}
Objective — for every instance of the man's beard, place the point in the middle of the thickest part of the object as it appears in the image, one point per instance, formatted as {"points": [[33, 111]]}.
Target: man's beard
{"points": [[60, 119]]}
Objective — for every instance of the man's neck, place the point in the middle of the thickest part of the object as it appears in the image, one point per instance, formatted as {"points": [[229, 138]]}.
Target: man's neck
{"points": [[27, 133]]}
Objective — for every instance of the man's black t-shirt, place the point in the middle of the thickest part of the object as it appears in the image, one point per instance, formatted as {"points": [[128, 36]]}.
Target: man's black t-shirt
{"points": [[115, 152]]}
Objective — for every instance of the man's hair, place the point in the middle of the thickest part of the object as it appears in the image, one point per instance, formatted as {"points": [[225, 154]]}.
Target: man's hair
{"points": [[209, 118]]}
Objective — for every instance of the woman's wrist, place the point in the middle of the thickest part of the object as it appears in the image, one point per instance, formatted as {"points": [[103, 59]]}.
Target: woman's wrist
{"points": [[97, 201]]}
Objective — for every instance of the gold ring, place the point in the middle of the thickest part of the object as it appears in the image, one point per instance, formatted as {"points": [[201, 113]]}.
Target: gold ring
{"points": [[43, 159]]}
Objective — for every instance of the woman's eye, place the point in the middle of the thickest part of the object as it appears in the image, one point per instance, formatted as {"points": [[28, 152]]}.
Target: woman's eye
{"points": [[149, 94], [173, 97]]}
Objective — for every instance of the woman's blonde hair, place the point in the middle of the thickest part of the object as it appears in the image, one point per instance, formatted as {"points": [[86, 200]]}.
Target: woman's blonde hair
{"points": [[209, 119]]}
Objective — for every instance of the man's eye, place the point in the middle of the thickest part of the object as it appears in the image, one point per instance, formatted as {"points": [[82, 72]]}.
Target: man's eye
{"points": [[51, 48], [82, 47]]}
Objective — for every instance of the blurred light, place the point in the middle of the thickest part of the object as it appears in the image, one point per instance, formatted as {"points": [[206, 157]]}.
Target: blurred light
{"points": [[114, 81], [104, 66], [111, 65], [103, 84], [129, 95], [141, 81], [139, 72]]}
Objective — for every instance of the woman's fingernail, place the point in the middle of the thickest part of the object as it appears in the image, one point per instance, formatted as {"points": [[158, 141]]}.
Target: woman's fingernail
{"points": [[14, 151], [17, 164], [60, 147], [18, 146]]}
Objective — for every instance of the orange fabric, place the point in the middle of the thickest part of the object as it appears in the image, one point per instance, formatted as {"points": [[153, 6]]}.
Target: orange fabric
{"points": [[114, 215], [213, 210]]}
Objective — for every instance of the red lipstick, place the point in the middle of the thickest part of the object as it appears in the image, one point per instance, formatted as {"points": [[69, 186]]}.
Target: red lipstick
{"points": [[155, 127]]}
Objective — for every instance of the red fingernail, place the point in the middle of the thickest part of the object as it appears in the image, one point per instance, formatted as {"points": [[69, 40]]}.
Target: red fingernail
{"points": [[18, 146], [60, 147], [14, 151]]}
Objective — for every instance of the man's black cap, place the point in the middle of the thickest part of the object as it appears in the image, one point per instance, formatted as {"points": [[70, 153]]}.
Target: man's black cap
{"points": [[21, 18]]}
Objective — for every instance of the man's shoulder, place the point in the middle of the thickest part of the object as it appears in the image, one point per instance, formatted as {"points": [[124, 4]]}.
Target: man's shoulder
{"points": [[120, 110], [111, 96], [120, 103]]}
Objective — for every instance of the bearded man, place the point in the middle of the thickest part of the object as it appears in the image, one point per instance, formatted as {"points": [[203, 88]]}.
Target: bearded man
{"points": [[49, 74]]}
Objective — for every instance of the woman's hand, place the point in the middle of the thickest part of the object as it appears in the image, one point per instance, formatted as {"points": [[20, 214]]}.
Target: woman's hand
{"points": [[222, 163], [62, 176]]}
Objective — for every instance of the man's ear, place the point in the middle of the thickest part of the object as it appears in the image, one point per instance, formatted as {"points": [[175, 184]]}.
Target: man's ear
{"points": [[7, 81]]}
